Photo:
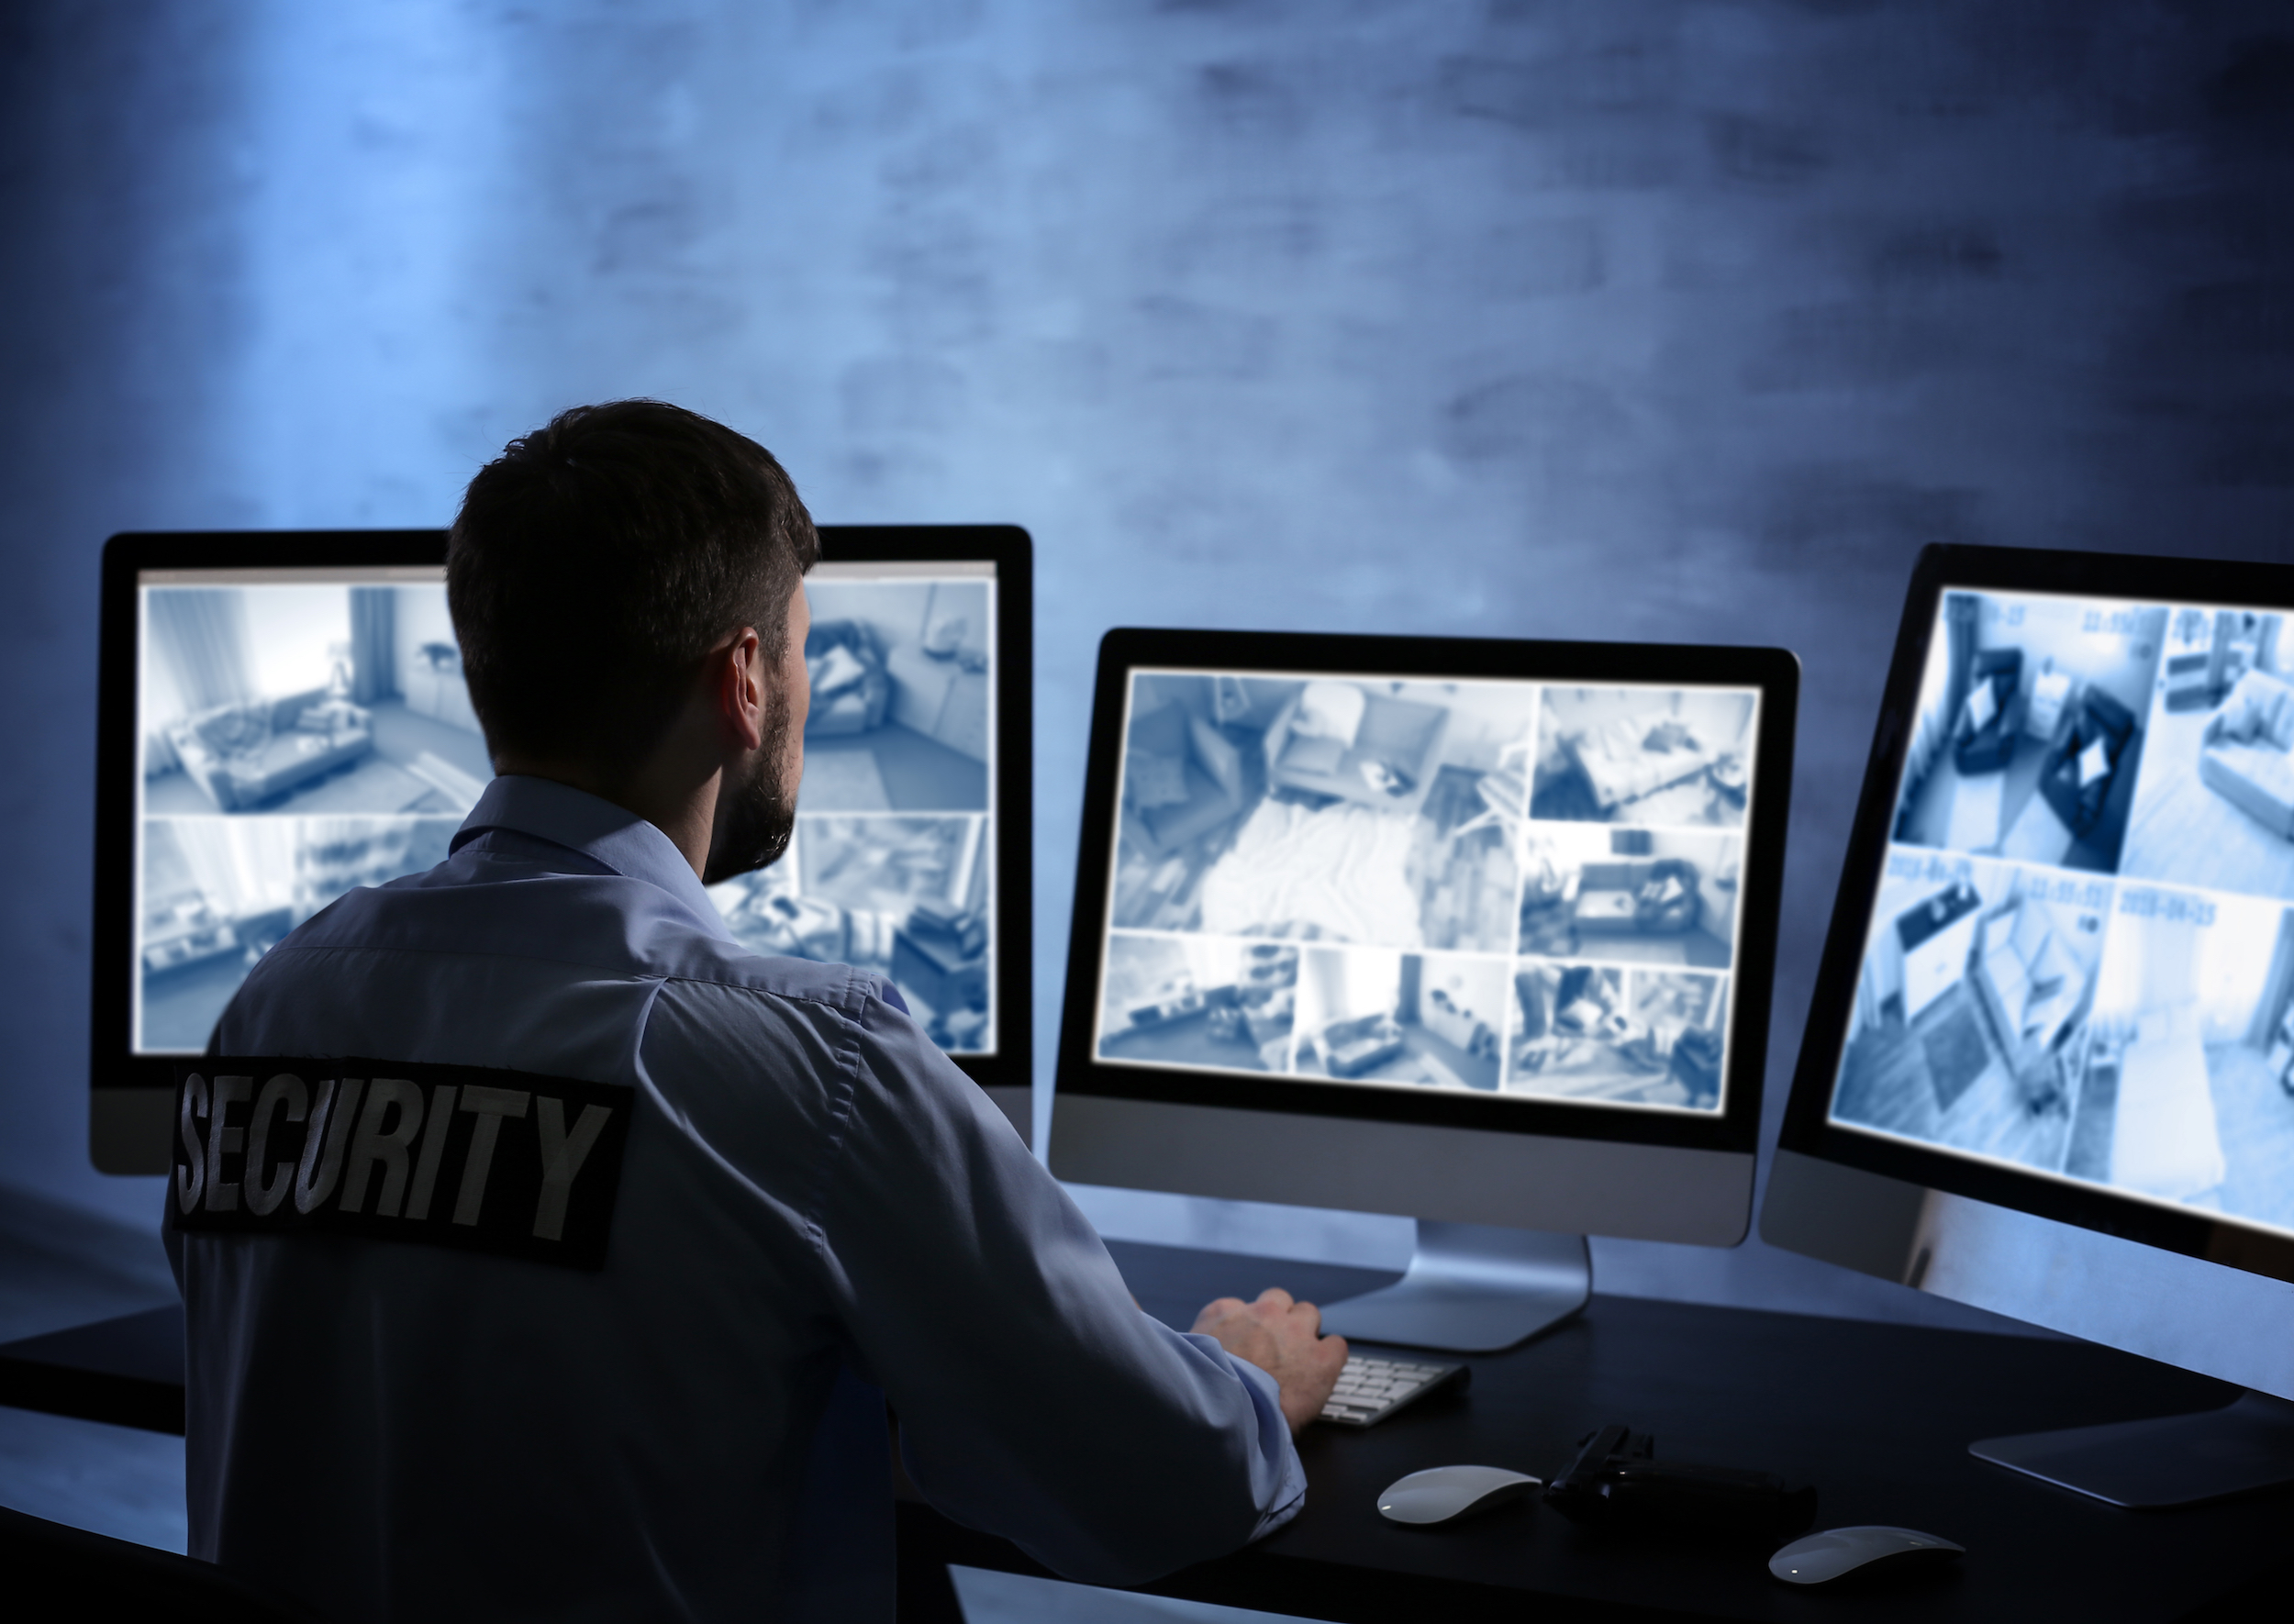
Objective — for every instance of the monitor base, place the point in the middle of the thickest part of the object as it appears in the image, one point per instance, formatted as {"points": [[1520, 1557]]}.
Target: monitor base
{"points": [[1471, 1288], [2246, 1445]]}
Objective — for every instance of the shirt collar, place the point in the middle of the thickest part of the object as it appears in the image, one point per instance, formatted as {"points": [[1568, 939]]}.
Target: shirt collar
{"points": [[596, 827]]}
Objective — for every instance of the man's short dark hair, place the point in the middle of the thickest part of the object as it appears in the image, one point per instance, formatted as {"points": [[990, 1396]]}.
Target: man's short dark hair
{"points": [[598, 560]]}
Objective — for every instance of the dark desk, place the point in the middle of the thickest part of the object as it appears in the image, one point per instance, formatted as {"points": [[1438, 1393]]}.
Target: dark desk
{"points": [[1877, 1417], [129, 1371]]}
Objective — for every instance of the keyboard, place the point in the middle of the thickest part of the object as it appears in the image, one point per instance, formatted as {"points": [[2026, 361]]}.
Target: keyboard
{"points": [[1370, 1389]]}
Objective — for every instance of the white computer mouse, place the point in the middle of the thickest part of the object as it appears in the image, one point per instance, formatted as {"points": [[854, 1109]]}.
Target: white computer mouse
{"points": [[1837, 1552], [1441, 1492]]}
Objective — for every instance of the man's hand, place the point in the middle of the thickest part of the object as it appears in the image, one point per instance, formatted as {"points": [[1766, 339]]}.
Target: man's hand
{"points": [[1282, 1337]]}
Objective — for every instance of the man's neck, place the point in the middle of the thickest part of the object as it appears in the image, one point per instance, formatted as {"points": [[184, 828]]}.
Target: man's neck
{"points": [[687, 815]]}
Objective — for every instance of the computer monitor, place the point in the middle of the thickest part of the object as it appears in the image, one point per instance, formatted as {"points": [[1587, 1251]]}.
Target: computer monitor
{"points": [[1476, 932], [282, 717], [2049, 1069]]}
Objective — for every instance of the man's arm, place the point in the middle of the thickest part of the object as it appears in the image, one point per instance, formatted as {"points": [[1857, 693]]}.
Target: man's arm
{"points": [[1036, 1400]]}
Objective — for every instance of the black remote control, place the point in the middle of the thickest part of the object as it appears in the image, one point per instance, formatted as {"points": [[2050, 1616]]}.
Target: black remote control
{"points": [[1614, 1481]]}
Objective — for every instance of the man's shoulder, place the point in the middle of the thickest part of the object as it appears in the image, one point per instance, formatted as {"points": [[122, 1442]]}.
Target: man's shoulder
{"points": [[592, 923], [753, 977]]}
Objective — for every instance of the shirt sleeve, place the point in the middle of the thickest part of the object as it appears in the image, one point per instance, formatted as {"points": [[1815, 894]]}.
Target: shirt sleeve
{"points": [[1037, 1401]]}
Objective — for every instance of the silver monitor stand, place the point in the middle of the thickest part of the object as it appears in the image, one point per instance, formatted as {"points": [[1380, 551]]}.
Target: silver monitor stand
{"points": [[1471, 1288], [2187, 1311], [2246, 1445]]}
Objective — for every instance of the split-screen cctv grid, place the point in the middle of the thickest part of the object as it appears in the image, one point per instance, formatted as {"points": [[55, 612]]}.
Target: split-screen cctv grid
{"points": [[892, 867], [2081, 957], [301, 738], [1516, 888]]}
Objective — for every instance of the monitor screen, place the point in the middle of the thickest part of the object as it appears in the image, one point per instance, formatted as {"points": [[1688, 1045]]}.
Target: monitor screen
{"points": [[306, 730], [282, 716], [893, 865], [302, 732], [1520, 890], [2080, 964], [1471, 931]]}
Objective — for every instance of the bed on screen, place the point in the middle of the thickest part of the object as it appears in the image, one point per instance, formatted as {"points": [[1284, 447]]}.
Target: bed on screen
{"points": [[1338, 873], [1637, 756]]}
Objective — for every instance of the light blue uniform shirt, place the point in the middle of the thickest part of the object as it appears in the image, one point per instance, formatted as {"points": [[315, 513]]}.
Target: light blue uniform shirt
{"points": [[812, 1198]]}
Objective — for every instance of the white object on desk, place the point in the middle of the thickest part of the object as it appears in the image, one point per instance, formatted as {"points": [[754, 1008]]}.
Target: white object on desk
{"points": [[1370, 1389], [1821, 1558], [1441, 1492], [2051, 690]]}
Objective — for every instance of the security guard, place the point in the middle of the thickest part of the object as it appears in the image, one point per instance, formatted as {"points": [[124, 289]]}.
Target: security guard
{"points": [[548, 1255]]}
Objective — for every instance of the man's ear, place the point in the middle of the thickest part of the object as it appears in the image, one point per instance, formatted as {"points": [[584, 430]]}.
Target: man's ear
{"points": [[741, 689]]}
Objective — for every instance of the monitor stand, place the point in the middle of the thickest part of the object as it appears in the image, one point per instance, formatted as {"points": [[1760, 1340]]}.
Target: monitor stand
{"points": [[1471, 1288], [2247, 1444]]}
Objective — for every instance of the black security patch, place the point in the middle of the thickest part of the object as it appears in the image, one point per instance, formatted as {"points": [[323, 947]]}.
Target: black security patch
{"points": [[462, 1156]]}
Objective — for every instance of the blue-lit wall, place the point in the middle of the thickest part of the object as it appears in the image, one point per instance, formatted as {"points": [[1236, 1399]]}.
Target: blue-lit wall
{"points": [[1613, 318]]}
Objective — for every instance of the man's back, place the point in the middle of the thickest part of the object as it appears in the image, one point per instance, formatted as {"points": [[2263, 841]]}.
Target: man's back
{"points": [[811, 1197]]}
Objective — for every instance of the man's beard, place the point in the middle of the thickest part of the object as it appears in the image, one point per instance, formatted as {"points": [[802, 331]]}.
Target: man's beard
{"points": [[756, 815]]}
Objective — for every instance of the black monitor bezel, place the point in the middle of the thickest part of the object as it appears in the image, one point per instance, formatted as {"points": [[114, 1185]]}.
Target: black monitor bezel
{"points": [[1807, 1128], [113, 1064], [1773, 671], [112, 1061]]}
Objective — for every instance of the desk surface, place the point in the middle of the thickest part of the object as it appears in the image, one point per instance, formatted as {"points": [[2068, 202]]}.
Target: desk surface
{"points": [[1877, 1417]]}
